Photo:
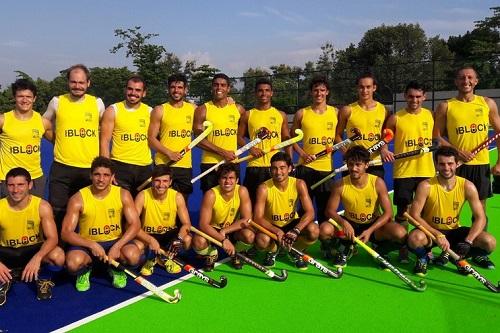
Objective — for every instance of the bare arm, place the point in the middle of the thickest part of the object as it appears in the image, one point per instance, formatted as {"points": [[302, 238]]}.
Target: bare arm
{"points": [[297, 124], [344, 114], [495, 122], [206, 209], [285, 133], [49, 132], [477, 211], [70, 222], [385, 204], [183, 214], [386, 154], [245, 213], [154, 131], [106, 132], [199, 117], [306, 203], [259, 210], [133, 224]]}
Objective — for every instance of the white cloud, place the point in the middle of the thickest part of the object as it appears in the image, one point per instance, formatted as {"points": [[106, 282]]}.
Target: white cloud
{"points": [[201, 57]]}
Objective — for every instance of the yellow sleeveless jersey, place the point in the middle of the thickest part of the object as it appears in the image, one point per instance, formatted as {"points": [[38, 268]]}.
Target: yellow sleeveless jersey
{"points": [[281, 206], [272, 120], [158, 216], [130, 135], [319, 133], [20, 228], [77, 131], [467, 124], [224, 212], [176, 132], [224, 134], [100, 220], [20, 144], [413, 131], [361, 205], [442, 208], [368, 122]]}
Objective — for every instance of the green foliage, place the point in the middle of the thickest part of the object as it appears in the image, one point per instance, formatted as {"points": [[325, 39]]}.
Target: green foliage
{"points": [[109, 83]]}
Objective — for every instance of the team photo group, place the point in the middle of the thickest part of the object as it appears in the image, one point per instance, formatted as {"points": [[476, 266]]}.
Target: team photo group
{"points": [[114, 206]]}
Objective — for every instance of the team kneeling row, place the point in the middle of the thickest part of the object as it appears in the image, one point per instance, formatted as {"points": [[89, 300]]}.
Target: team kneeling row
{"points": [[104, 223]]}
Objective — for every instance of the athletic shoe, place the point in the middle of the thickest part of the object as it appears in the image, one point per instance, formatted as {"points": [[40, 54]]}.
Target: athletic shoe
{"points": [[403, 257], [299, 262], [148, 267], [381, 265], [442, 259], [44, 289], [420, 268], [119, 278], [83, 281], [340, 260], [172, 267], [210, 262], [270, 259], [236, 262], [251, 252], [326, 250], [484, 262], [4, 288]]}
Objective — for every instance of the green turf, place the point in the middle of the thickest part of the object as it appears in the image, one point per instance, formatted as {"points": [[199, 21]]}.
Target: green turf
{"points": [[364, 299]]}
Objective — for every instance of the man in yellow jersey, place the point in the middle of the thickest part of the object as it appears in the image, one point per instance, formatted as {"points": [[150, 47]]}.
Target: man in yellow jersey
{"points": [[367, 115], [170, 131], [221, 144], [94, 229], [464, 121], [159, 207], [263, 115], [125, 124], [276, 210], [28, 237], [362, 195], [76, 118], [412, 128], [437, 207], [21, 132], [318, 122], [224, 215]]}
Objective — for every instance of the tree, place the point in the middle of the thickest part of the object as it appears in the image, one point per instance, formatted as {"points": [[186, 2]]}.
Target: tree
{"points": [[109, 83], [200, 78], [250, 77]]}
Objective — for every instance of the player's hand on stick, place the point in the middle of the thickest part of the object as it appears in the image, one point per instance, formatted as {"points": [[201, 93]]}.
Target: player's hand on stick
{"points": [[442, 242], [228, 155], [465, 155], [463, 248], [228, 247], [308, 158], [114, 252], [387, 155], [256, 152], [289, 238], [365, 236], [348, 230], [5, 275], [174, 248], [174, 155], [154, 245], [98, 251]]}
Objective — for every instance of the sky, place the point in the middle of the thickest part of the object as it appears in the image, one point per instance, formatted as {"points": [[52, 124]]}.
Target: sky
{"points": [[43, 37]]}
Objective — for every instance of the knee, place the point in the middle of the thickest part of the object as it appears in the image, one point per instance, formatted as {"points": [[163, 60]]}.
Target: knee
{"points": [[186, 242], [131, 254], [247, 236], [312, 232], [400, 233], [75, 262], [199, 243], [56, 257], [262, 241], [326, 231], [416, 238]]}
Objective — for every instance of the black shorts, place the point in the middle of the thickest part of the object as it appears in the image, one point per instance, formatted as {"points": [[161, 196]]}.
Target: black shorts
{"points": [[37, 190], [105, 245], [290, 225], [453, 236], [181, 180], [479, 175], [18, 257], [166, 238], [254, 176], [211, 180], [131, 176], [404, 189], [311, 176], [360, 227]]}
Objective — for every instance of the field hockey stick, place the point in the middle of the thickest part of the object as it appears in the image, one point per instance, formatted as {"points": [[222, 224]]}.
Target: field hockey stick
{"points": [[208, 129], [267, 271], [335, 147], [485, 143], [148, 285], [278, 146], [421, 287], [461, 262], [329, 176], [263, 134], [407, 154], [307, 258]]}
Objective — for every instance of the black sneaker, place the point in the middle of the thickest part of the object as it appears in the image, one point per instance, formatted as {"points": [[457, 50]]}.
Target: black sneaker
{"points": [[442, 259], [299, 262], [340, 260], [236, 262], [420, 268], [210, 263], [4, 288], [44, 289], [270, 259], [484, 262], [326, 250], [251, 252]]}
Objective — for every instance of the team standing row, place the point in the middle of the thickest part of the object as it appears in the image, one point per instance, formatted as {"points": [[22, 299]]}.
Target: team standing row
{"points": [[81, 129]]}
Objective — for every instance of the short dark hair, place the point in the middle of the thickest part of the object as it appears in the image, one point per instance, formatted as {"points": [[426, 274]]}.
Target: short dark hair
{"points": [[137, 78], [357, 154], [447, 151], [177, 77], [415, 85], [18, 172], [466, 67], [221, 76], [281, 156], [161, 170], [226, 168], [81, 67], [263, 80], [23, 84], [319, 80], [367, 75], [104, 162]]}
